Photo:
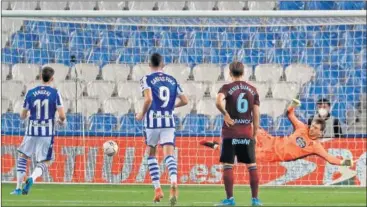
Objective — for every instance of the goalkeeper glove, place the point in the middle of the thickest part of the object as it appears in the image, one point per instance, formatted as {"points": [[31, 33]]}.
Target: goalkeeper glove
{"points": [[347, 162], [213, 145], [295, 102]]}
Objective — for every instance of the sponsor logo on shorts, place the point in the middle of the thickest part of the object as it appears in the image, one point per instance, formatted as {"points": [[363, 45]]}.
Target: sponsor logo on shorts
{"points": [[241, 141]]}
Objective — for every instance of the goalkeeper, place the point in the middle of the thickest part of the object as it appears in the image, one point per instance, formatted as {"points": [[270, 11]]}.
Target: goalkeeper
{"points": [[302, 143]]}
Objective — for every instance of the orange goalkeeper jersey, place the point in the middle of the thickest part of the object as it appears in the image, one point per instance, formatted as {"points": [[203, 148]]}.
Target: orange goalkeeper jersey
{"points": [[295, 146]]}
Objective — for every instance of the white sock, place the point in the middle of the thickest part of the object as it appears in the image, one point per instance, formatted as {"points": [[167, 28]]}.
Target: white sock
{"points": [[21, 169], [172, 168], [40, 168], [154, 172], [20, 177]]}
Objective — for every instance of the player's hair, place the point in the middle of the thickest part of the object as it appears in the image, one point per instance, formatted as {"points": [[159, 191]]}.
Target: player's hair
{"points": [[47, 73], [321, 122], [155, 59], [236, 68]]}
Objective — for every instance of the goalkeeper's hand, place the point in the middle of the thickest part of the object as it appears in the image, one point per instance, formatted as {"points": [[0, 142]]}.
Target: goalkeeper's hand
{"points": [[347, 162], [214, 145], [295, 103]]}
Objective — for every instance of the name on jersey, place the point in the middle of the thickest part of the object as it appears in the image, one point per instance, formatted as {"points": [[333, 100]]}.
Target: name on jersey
{"points": [[164, 78], [242, 121], [41, 92], [242, 87]]}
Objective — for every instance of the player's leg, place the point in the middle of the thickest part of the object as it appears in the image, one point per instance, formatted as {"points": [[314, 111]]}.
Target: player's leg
{"points": [[168, 143], [152, 139], [26, 149], [245, 152], [227, 160], [43, 151]]}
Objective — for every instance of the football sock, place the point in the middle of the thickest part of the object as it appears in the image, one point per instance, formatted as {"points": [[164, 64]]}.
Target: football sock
{"points": [[154, 171], [21, 169], [254, 181], [228, 180], [172, 168], [39, 170]]}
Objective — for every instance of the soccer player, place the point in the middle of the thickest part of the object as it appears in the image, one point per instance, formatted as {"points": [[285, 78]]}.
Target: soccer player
{"points": [[42, 102], [303, 142], [160, 91], [241, 121]]}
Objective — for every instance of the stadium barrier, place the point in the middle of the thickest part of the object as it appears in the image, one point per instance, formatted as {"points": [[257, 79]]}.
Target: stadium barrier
{"points": [[81, 160]]}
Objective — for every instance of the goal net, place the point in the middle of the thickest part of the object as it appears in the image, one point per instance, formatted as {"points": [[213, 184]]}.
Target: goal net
{"points": [[99, 61]]}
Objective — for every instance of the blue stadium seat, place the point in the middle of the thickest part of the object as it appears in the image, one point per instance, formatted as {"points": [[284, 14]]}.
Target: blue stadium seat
{"points": [[38, 56], [129, 55], [291, 5], [338, 110], [178, 39], [22, 40], [74, 122], [283, 56], [102, 123], [191, 56], [62, 56], [128, 124], [177, 121], [258, 56], [308, 106], [195, 123], [311, 56], [320, 5], [226, 56], [10, 56], [81, 40], [67, 27], [351, 5], [284, 126], [266, 122], [218, 123], [11, 122], [99, 56]]}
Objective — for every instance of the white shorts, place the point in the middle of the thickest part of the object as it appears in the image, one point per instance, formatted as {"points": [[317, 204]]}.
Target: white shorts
{"points": [[41, 147], [163, 136]]}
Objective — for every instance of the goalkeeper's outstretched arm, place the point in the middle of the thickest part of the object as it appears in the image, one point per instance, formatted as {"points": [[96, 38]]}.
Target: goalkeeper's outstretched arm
{"points": [[291, 115], [320, 151]]}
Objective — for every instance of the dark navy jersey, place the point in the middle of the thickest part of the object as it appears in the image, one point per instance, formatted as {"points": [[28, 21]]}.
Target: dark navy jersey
{"points": [[42, 103], [164, 89]]}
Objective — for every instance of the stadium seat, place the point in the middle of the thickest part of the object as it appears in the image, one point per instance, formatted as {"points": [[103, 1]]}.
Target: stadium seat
{"points": [[12, 89], [75, 122], [308, 106], [115, 72], [111, 5], [98, 56], [181, 112], [218, 123], [201, 5], [268, 72], [194, 89], [139, 71], [17, 105], [117, 106], [291, 5], [128, 124], [70, 89], [11, 122], [286, 90], [102, 123], [38, 56], [87, 72], [179, 71], [266, 122], [207, 106], [350, 5], [206, 72], [195, 123], [320, 5], [299, 73], [61, 71], [87, 105], [283, 126], [266, 5], [261, 87], [26, 72], [273, 107], [21, 40], [101, 89], [62, 56], [54, 5], [5, 104], [22, 5], [5, 71], [11, 56], [232, 5], [130, 89], [215, 88]]}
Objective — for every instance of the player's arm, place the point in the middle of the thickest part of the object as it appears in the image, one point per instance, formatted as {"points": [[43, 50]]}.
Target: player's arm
{"points": [[291, 115], [148, 99], [220, 106], [256, 115], [24, 113], [320, 151], [60, 109], [183, 100]]}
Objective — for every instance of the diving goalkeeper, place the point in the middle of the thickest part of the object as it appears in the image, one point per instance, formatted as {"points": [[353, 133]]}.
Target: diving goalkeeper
{"points": [[302, 143]]}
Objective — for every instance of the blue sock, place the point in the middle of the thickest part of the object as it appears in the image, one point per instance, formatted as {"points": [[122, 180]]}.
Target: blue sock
{"points": [[21, 170], [154, 171], [172, 168]]}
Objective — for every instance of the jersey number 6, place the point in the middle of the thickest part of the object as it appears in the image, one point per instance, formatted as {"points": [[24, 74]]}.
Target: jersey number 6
{"points": [[242, 104]]}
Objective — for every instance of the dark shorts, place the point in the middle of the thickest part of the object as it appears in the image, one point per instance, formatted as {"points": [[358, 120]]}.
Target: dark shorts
{"points": [[243, 149]]}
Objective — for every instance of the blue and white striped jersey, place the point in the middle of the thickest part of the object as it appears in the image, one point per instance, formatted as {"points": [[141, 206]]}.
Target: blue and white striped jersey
{"points": [[165, 89], [42, 102]]}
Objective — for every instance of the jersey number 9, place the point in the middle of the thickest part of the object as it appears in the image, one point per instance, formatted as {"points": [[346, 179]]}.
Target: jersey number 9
{"points": [[164, 95]]}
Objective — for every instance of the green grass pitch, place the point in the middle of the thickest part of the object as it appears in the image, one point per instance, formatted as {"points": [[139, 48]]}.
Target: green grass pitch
{"points": [[131, 195]]}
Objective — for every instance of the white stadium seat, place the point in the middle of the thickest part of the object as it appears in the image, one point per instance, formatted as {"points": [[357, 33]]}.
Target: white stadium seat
{"points": [[179, 71], [171, 5], [117, 106], [194, 89], [101, 89], [70, 89], [82, 5], [182, 111], [130, 89], [144, 5], [53, 5], [86, 71], [273, 107], [61, 71], [261, 5], [268, 72], [206, 72], [299, 73], [87, 105], [231, 5], [285, 90], [111, 5], [5, 69], [215, 88], [20, 5], [207, 106], [115, 72], [12, 89], [202, 5], [261, 87], [5, 103], [247, 73], [18, 104], [26, 72], [140, 70]]}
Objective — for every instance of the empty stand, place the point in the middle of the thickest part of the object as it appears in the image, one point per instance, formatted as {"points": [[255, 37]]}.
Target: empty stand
{"points": [[273, 107], [261, 87], [102, 123], [129, 89], [61, 71], [117, 106], [207, 106], [85, 71], [268, 72], [286, 90], [299, 73], [194, 89], [17, 105], [261, 5], [70, 89], [12, 89], [86, 105], [196, 123], [5, 104], [26, 72], [182, 111], [207, 72], [140, 70], [5, 71], [115, 72], [101, 89], [179, 71]]}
